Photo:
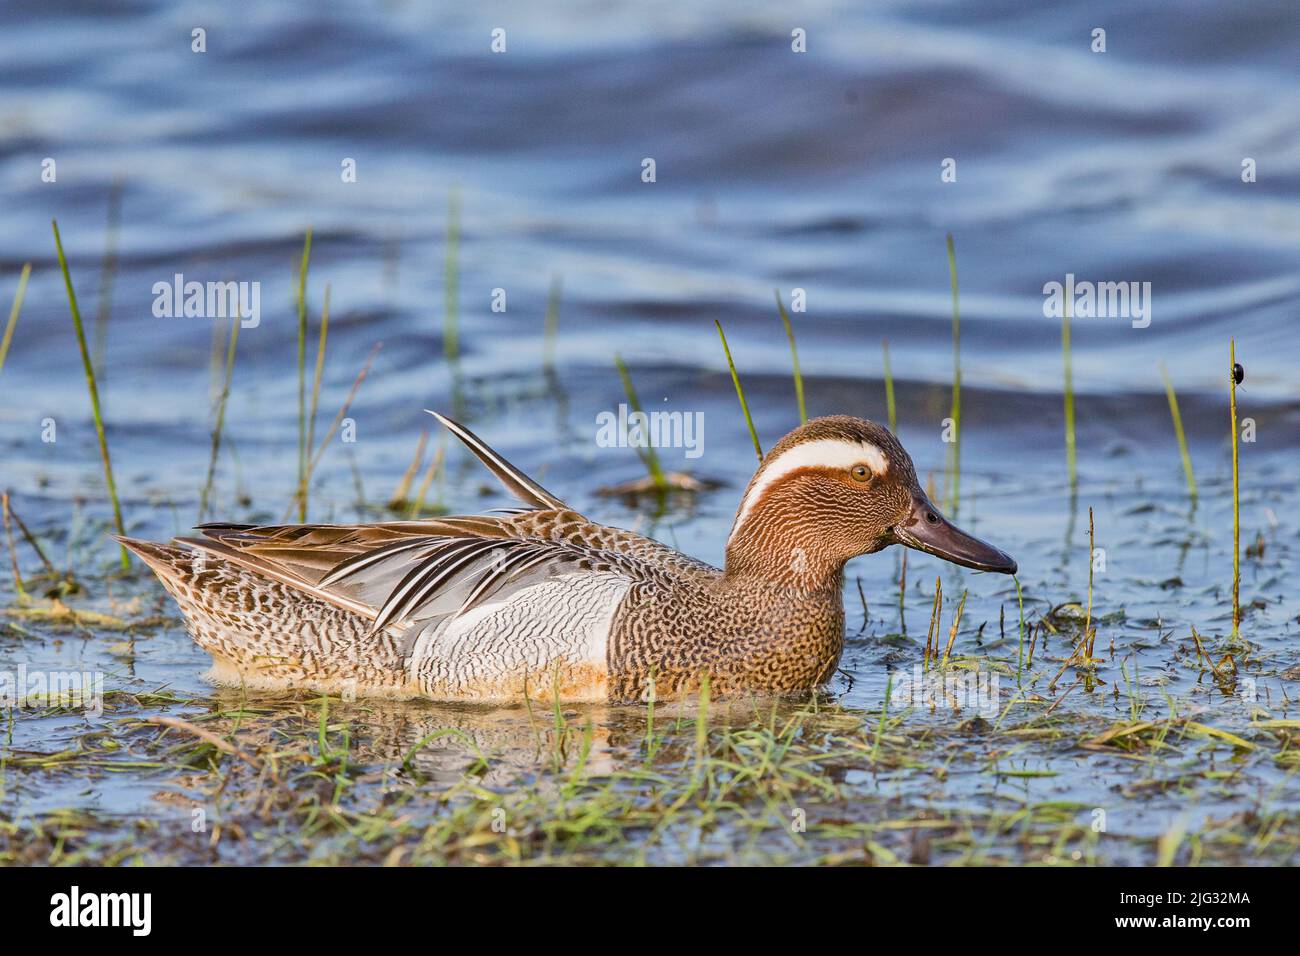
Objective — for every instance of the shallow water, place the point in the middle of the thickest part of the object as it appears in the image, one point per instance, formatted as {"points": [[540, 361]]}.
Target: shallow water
{"points": [[818, 171]]}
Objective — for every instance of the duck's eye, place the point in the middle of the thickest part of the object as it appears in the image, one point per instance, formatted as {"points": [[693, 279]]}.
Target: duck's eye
{"points": [[860, 473]]}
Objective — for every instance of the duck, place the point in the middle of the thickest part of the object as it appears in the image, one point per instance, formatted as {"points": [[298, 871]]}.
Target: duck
{"points": [[538, 601]]}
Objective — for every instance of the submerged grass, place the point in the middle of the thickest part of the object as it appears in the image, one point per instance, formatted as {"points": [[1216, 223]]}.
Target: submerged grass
{"points": [[94, 393], [794, 358], [740, 392], [13, 313], [307, 779], [1178, 432]]}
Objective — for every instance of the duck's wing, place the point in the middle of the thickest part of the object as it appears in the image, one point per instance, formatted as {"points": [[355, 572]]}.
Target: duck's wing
{"points": [[515, 481], [403, 571]]}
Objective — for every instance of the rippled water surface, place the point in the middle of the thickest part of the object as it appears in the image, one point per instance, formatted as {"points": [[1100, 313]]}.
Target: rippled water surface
{"points": [[817, 171]]}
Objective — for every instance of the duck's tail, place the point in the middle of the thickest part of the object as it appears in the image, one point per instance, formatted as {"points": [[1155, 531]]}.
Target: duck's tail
{"points": [[268, 635]]}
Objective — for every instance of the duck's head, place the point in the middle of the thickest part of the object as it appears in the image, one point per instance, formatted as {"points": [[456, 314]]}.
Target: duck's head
{"points": [[836, 488]]}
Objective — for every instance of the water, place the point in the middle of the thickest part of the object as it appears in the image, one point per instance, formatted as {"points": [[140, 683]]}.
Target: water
{"points": [[818, 171]]}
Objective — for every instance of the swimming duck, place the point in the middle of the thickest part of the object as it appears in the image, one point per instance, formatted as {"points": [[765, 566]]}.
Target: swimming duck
{"points": [[542, 601]]}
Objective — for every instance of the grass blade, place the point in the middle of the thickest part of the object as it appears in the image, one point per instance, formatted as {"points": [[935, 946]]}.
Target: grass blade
{"points": [[13, 313], [740, 392], [94, 391], [794, 359], [1178, 431], [648, 455], [219, 423]]}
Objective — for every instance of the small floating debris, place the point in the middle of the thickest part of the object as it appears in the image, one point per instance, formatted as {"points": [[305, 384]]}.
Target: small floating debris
{"points": [[671, 482]]}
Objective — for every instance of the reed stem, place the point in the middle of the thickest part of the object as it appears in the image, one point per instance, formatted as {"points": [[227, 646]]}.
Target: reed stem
{"points": [[956, 623], [94, 393], [1089, 636], [1236, 492]]}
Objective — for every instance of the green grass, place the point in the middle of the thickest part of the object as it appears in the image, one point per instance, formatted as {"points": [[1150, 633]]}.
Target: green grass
{"points": [[13, 313], [1236, 492], [94, 393], [740, 392], [794, 359], [1178, 432], [648, 455], [955, 501]]}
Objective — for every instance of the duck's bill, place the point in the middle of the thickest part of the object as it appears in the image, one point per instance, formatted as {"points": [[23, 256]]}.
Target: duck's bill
{"points": [[927, 530]]}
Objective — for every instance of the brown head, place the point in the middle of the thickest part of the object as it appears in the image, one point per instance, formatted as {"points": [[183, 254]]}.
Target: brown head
{"points": [[834, 489]]}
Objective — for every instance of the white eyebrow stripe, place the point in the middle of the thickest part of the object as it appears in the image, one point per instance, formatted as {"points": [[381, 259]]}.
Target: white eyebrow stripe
{"points": [[823, 453]]}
